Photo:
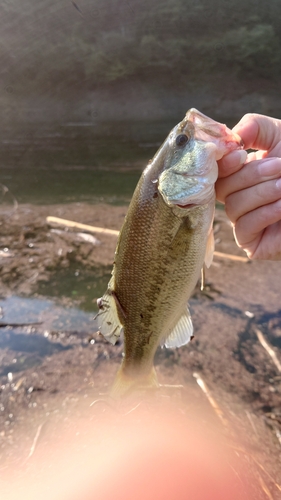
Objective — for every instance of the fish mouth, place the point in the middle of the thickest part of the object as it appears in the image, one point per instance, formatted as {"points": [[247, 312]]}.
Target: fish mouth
{"points": [[203, 197], [189, 205], [207, 129]]}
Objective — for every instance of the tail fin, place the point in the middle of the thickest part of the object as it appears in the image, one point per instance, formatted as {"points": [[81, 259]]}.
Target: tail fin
{"points": [[123, 385]]}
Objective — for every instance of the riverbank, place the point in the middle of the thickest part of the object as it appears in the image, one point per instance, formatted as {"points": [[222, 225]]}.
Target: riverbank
{"points": [[239, 299], [133, 101]]}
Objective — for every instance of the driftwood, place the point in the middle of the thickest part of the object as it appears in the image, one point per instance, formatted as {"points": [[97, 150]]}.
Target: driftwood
{"points": [[112, 232], [229, 256], [77, 225]]}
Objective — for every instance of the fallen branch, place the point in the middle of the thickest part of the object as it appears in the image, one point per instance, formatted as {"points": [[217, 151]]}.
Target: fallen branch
{"points": [[94, 229], [230, 256], [268, 349], [77, 225]]}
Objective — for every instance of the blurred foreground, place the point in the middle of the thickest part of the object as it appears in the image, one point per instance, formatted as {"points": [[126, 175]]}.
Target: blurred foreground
{"points": [[159, 448]]}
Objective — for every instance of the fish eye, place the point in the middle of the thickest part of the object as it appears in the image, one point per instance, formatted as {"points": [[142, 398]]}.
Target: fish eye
{"points": [[181, 140]]}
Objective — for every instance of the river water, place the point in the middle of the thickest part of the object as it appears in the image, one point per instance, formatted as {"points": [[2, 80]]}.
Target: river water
{"points": [[65, 163], [75, 162]]}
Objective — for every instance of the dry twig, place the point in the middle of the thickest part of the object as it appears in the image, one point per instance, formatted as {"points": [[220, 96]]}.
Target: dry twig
{"points": [[210, 398], [229, 256], [35, 440], [70, 223], [112, 232], [268, 349]]}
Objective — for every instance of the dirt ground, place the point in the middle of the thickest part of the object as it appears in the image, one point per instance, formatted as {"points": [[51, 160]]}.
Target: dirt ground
{"points": [[243, 397]]}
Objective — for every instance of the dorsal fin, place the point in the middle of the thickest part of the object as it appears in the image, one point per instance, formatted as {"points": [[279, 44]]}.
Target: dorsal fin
{"points": [[182, 332], [109, 323]]}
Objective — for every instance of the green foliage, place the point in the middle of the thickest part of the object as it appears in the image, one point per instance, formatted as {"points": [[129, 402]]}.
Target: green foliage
{"points": [[112, 58], [49, 44], [255, 52]]}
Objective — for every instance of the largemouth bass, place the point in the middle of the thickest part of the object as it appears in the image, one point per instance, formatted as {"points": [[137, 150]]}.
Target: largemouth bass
{"points": [[163, 244]]}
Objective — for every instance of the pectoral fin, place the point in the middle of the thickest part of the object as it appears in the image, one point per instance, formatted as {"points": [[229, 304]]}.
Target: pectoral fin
{"points": [[182, 332], [210, 248], [109, 323]]}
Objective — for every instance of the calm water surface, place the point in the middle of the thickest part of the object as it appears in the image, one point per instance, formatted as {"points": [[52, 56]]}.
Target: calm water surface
{"points": [[64, 164], [78, 162]]}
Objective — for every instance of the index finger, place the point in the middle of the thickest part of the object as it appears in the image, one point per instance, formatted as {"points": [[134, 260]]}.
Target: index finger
{"points": [[259, 131], [232, 162]]}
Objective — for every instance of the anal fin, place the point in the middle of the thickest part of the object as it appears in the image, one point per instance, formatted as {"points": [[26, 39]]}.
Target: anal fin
{"points": [[182, 332]]}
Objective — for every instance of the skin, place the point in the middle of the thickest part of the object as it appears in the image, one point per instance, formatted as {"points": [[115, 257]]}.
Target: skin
{"points": [[250, 187], [146, 454]]}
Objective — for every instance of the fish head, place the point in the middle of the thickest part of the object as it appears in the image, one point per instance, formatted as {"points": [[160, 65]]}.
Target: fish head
{"points": [[190, 165]]}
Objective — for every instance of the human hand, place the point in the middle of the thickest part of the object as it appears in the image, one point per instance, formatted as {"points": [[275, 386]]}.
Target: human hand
{"points": [[250, 187]]}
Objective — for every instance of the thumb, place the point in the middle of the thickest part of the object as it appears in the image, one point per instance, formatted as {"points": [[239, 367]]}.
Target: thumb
{"points": [[260, 132]]}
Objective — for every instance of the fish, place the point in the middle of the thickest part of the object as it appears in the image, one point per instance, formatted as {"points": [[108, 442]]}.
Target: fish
{"points": [[165, 241]]}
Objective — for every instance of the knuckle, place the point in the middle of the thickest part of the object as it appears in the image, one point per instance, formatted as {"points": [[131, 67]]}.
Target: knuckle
{"points": [[244, 238], [230, 208], [260, 191], [220, 190], [247, 174], [277, 208], [267, 191]]}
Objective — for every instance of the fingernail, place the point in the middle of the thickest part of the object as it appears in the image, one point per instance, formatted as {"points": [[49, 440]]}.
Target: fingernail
{"points": [[278, 184], [270, 166], [234, 160], [242, 156], [237, 157]]}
